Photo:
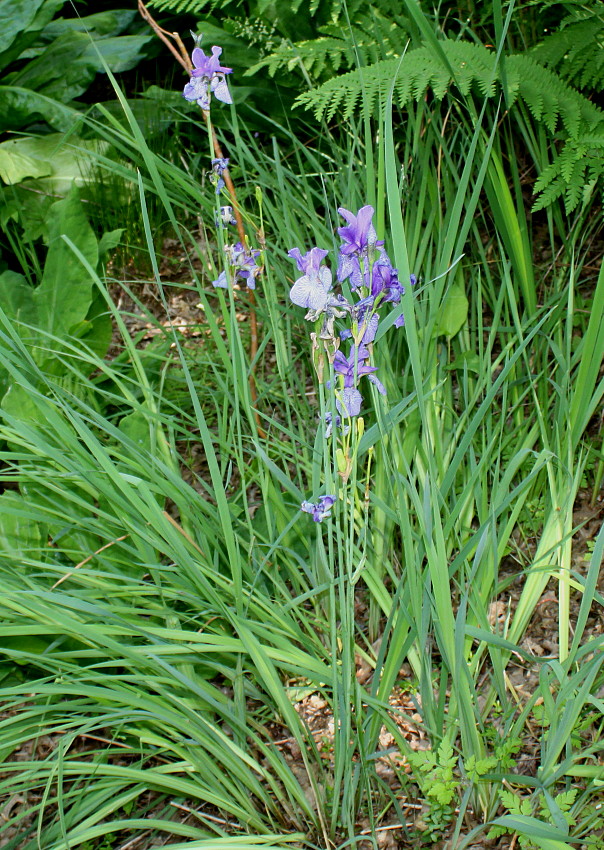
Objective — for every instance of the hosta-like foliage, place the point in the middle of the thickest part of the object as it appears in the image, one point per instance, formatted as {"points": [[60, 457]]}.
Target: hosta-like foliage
{"points": [[471, 69]]}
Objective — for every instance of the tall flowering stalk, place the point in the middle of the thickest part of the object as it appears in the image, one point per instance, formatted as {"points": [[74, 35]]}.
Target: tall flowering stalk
{"points": [[343, 340], [351, 321], [374, 285], [207, 80]]}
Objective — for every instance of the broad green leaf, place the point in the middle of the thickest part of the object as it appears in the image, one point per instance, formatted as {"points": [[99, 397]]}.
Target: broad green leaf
{"points": [[20, 107], [70, 534], [24, 644], [109, 241], [101, 24], [15, 18], [65, 294], [166, 97], [18, 402], [67, 66], [136, 427], [466, 360], [99, 326], [121, 53], [453, 314], [28, 208], [61, 71], [15, 166], [153, 112], [21, 47], [80, 329], [62, 163], [21, 536], [16, 297], [16, 301]]}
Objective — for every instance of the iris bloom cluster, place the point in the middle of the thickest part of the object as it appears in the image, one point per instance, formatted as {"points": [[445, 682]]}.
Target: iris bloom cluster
{"points": [[320, 509], [373, 282], [364, 263], [219, 166]]}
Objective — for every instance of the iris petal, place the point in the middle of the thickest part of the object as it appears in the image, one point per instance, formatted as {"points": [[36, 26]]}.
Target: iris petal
{"points": [[308, 293], [221, 90]]}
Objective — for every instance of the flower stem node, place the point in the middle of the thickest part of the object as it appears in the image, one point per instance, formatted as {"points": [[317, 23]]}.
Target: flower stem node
{"points": [[344, 464]]}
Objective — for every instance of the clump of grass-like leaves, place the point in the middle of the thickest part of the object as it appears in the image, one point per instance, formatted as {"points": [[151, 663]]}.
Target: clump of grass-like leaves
{"points": [[162, 633]]}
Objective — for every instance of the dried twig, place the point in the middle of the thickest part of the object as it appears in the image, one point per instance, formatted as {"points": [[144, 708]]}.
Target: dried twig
{"points": [[203, 815], [181, 54], [182, 531], [136, 840], [89, 558]]}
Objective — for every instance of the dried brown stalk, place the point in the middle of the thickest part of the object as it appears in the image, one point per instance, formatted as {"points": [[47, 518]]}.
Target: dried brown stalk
{"points": [[181, 54], [89, 558]]}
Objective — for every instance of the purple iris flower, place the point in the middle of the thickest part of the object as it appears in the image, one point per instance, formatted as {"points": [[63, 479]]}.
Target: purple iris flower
{"points": [[359, 234], [350, 402], [355, 366], [226, 216], [319, 509], [399, 322], [350, 268], [244, 266], [207, 79], [360, 239], [313, 290], [219, 166], [384, 280]]}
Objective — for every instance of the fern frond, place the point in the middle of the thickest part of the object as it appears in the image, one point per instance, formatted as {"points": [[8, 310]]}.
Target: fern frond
{"points": [[369, 39], [413, 74], [312, 55], [548, 98], [572, 174], [183, 7], [195, 7], [576, 52]]}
